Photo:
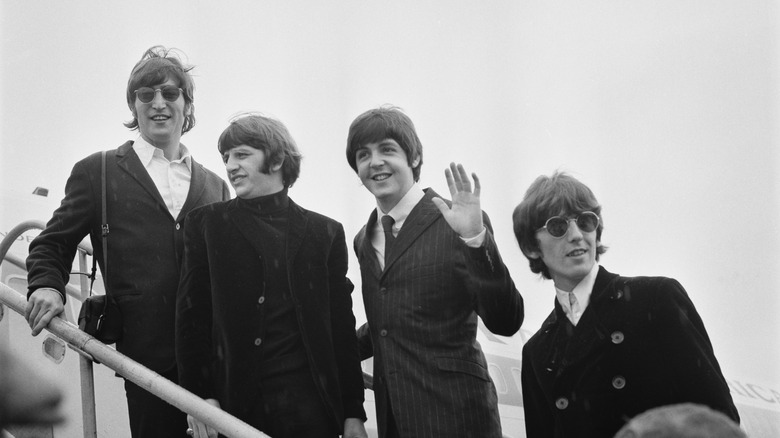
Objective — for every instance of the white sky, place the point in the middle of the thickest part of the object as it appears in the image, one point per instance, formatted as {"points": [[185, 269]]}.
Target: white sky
{"points": [[667, 109]]}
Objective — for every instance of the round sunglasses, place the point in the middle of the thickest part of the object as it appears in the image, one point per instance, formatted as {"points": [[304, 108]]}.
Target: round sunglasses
{"points": [[558, 226], [168, 92]]}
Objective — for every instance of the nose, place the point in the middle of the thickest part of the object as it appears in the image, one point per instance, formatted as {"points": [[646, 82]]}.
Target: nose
{"points": [[158, 101], [375, 160], [574, 232], [230, 164]]}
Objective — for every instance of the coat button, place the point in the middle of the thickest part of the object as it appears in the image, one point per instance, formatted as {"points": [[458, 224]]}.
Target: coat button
{"points": [[178, 226], [383, 290], [258, 341], [562, 403], [618, 337], [618, 295], [618, 382], [383, 332], [261, 300]]}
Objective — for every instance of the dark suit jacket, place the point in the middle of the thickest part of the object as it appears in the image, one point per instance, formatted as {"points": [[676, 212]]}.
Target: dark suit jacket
{"points": [[422, 312], [145, 245], [639, 344], [219, 297]]}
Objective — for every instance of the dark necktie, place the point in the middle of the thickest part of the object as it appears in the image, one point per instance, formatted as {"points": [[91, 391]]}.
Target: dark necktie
{"points": [[387, 225]]}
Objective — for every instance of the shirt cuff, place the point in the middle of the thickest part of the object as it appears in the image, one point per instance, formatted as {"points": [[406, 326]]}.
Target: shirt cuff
{"points": [[476, 241]]}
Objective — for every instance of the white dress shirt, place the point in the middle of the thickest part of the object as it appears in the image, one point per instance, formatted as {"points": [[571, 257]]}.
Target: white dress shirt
{"points": [[580, 295], [172, 178], [399, 213]]}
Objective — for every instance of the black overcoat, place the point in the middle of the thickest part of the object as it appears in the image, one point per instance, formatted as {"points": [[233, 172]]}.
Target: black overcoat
{"points": [[639, 344], [221, 295]]}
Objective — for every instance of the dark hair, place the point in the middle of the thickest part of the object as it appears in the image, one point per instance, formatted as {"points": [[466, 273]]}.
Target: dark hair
{"points": [[559, 194], [268, 135], [681, 420], [382, 123], [157, 65]]}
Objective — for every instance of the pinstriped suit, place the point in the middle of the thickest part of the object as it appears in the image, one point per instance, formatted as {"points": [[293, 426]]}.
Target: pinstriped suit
{"points": [[422, 311]]}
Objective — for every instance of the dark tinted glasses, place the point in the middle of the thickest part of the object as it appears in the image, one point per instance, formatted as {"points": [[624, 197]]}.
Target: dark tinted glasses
{"points": [[168, 92], [558, 226]]}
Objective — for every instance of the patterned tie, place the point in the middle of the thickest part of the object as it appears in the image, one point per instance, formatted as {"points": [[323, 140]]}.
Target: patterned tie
{"points": [[387, 225]]}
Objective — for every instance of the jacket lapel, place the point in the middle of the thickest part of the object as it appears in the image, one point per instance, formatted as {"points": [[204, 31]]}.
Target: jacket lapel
{"points": [[197, 186], [422, 216], [128, 161], [590, 330], [363, 245], [296, 231]]}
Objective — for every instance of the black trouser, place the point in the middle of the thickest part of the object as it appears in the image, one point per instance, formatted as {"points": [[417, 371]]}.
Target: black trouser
{"points": [[288, 406], [151, 417]]}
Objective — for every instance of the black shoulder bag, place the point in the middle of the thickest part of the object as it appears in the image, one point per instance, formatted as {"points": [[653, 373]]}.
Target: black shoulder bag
{"points": [[99, 315]]}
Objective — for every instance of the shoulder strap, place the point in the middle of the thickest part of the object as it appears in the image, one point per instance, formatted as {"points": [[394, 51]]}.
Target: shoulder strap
{"points": [[104, 223]]}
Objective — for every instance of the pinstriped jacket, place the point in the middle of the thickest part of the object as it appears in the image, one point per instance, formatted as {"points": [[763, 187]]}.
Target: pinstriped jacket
{"points": [[422, 320]]}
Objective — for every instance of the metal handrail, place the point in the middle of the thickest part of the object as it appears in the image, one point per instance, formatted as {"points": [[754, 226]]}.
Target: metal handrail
{"points": [[145, 378]]}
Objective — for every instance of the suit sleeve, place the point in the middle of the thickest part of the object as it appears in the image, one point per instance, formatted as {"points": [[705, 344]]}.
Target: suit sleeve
{"points": [[498, 302], [51, 254], [697, 374], [343, 326], [193, 312]]}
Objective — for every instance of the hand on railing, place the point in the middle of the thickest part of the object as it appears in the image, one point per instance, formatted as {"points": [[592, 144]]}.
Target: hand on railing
{"points": [[199, 429], [44, 304]]}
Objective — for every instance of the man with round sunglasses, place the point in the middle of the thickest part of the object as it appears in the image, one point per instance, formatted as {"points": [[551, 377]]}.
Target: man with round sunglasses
{"points": [[151, 184], [613, 347]]}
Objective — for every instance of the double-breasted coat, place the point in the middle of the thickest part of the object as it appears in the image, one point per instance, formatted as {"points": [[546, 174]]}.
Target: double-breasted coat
{"points": [[639, 344]]}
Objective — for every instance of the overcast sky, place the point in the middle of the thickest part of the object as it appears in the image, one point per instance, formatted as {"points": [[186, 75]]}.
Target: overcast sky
{"points": [[667, 109]]}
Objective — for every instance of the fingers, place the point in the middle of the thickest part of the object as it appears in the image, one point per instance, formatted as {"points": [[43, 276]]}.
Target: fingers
{"points": [[441, 205], [477, 185], [44, 304], [42, 321], [200, 429], [458, 179]]}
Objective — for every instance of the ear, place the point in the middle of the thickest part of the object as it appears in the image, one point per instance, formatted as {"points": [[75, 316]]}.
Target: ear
{"points": [[277, 166], [415, 162], [188, 109], [531, 253]]}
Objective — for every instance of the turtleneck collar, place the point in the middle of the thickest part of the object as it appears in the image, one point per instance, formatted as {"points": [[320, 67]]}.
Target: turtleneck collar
{"points": [[268, 204]]}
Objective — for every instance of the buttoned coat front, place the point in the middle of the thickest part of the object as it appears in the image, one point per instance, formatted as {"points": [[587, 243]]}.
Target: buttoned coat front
{"points": [[220, 308], [639, 344], [145, 246], [422, 321]]}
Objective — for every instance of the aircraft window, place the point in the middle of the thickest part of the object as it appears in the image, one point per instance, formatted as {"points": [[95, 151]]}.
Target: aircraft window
{"points": [[498, 378], [516, 377]]}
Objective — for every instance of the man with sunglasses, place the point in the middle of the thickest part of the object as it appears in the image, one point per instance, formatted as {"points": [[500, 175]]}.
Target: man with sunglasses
{"points": [[151, 184], [613, 346]]}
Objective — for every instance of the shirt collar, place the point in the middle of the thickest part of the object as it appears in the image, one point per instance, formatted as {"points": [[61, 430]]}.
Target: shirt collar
{"points": [[582, 290], [401, 211], [146, 152]]}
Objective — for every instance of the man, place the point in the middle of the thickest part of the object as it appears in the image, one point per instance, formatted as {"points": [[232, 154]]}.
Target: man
{"points": [[426, 276], [613, 346], [264, 324], [151, 184]]}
